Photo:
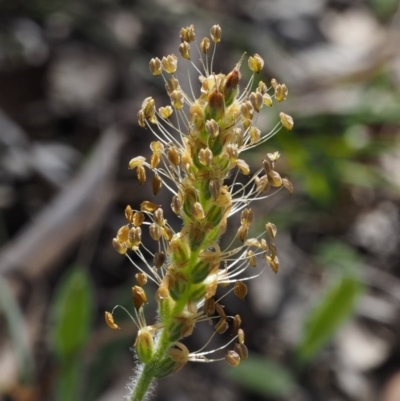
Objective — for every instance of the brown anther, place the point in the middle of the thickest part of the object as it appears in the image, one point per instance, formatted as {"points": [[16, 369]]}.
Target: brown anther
{"points": [[271, 230], [272, 249], [215, 33], [176, 205], [286, 120], [167, 233], [184, 50], [237, 321], [242, 233], [262, 184], [246, 217], [220, 310], [155, 160], [119, 247], [177, 99], [212, 128], [155, 66], [247, 110], [275, 179], [138, 219], [240, 290], [138, 297], [137, 161], [129, 214], [110, 321], [253, 242], [155, 231], [288, 185], [159, 259], [242, 351], [216, 103], [273, 263], [170, 63], [256, 100], [209, 306], [198, 211], [221, 326], [156, 184], [147, 206], [205, 45], [232, 358], [173, 156], [141, 174], [122, 234], [214, 186], [256, 63], [268, 165], [252, 258], [264, 245], [159, 217], [135, 237], [141, 278]]}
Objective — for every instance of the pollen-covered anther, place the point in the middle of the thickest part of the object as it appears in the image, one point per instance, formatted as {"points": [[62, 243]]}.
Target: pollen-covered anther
{"points": [[232, 358], [170, 63], [137, 161], [138, 219], [171, 85], [256, 63], [141, 174], [254, 134], [110, 321], [274, 83], [221, 326], [147, 206], [241, 336], [141, 278], [242, 351], [242, 233], [206, 157], [243, 166], [281, 92], [176, 204], [286, 120], [165, 112], [159, 217], [215, 33], [155, 160], [177, 99], [135, 237], [120, 247], [122, 234], [198, 211], [271, 230], [253, 242], [187, 34], [240, 290], [246, 217], [184, 50], [138, 297], [256, 100], [212, 128], [261, 87], [159, 259], [129, 214], [267, 100], [155, 66], [141, 118], [149, 109], [156, 184], [262, 184], [205, 45]]}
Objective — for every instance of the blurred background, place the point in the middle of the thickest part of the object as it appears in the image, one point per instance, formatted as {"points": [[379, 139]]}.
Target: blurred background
{"points": [[73, 75]]}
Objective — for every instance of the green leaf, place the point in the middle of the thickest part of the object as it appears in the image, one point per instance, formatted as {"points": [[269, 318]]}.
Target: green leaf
{"points": [[69, 380], [326, 318], [262, 376], [18, 333], [72, 313]]}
